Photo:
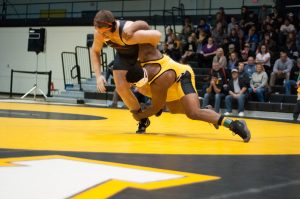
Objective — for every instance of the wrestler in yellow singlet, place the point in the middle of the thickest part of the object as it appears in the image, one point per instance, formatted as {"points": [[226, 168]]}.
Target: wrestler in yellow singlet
{"points": [[176, 91]]}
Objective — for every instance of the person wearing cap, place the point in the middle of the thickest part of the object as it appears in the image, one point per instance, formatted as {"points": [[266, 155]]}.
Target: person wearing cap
{"points": [[173, 84], [115, 33], [237, 89]]}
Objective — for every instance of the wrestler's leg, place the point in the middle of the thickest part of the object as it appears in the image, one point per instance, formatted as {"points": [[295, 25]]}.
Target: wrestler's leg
{"points": [[191, 106]]}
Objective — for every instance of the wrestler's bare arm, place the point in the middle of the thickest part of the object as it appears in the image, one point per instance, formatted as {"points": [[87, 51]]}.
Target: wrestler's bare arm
{"points": [[144, 36]]}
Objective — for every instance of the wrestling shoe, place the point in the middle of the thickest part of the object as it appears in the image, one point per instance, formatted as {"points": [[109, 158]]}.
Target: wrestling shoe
{"points": [[143, 124], [239, 127]]}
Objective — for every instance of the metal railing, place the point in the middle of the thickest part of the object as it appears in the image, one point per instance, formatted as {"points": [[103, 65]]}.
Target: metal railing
{"points": [[77, 9], [71, 71], [83, 60]]}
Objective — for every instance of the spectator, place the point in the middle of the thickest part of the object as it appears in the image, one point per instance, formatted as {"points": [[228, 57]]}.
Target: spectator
{"points": [[245, 52], [285, 29], [208, 52], [268, 41], [233, 61], [231, 25], [290, 47], [174, 46], [244, 14], [218, 34], [237, 91], [263, 57], [292, 82], [242, 74], [263, 13], [281, 69], [203, 25], [258, 83], [250, 67], [186, 32], [219, 57], [240, 34], [290, 17], [189, 50], [215, 89], [202, 39], [252, 39], [234, 39], [169, 35], [231, 49], [166, 50]]}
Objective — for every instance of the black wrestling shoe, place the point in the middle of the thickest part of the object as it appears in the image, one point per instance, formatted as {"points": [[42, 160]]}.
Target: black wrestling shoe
{"points": [[143, 124], [239, 127], [159, 113]]}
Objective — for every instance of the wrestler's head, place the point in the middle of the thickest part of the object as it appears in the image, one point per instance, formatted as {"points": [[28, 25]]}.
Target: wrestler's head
{"points": [[105, 22], [138, 76]]}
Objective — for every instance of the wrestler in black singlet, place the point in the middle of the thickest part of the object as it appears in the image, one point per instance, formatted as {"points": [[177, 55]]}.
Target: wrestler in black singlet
{"points": [[126, 55]]}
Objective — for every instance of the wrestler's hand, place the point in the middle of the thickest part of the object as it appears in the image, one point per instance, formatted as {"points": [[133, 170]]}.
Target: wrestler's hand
{"points": [[101, 84]]}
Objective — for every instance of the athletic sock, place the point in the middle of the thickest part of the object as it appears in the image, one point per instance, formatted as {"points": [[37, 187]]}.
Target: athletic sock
{"points": [[224, 121]]}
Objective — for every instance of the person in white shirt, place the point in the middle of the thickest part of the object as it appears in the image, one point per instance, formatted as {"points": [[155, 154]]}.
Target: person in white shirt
{"points": [[287, 27], [263, 57]]}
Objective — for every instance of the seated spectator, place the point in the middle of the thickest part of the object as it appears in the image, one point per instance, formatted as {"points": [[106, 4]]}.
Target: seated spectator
{"points": [[240, 34], [290, 47], [168, 37], [263, 13], [287, 27], [292, 82], [166, 50], [232, 49], [245, 52], [281, 69], [218, 33], [188, 50], [215, 89], [174, 45], [258, 83], [252, 38], [250, 67], [233, 38], [231, 25], [263, 57], [208, 52], [242, 74], [202, 39], [219, 57], [232, 62], [204, 26], [237, 91]]}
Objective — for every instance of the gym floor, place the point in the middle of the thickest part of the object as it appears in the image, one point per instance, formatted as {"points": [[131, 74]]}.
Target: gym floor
{"points": [[59, 151]]}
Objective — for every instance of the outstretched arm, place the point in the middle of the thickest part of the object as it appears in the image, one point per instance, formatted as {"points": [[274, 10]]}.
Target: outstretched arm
{"points": [[145, 37]]}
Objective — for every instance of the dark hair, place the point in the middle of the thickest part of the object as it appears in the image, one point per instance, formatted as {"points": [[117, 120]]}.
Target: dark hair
{"points": [[134, 74], [105, 19]]}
